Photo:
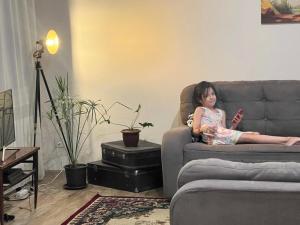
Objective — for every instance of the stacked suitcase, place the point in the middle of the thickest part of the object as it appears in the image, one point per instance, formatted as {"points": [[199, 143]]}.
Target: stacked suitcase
{"points": [[132, 169]]}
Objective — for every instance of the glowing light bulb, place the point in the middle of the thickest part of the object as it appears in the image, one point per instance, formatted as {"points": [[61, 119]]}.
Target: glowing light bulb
{"points": [[52, 42]]}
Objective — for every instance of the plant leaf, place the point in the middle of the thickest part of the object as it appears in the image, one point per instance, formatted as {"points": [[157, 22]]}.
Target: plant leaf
{"points": [[146, 124]]}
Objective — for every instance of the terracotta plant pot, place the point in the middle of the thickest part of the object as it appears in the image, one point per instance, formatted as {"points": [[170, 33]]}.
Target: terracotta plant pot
{"points": [[75, 176], [131, 137]]}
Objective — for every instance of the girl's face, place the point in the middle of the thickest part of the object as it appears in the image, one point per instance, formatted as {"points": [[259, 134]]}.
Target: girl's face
{"points": [[209, 101]]}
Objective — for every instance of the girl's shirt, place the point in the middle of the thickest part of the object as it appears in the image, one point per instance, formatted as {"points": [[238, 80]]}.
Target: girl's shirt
{"points": [[222, 136], [212, 118]]}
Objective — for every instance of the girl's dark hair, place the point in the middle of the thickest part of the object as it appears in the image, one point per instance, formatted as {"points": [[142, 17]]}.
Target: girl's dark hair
{"points": [[201, 90]]}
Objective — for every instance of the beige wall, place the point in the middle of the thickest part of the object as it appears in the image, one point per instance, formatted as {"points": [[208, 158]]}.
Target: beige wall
{"points": [[147, 51]]}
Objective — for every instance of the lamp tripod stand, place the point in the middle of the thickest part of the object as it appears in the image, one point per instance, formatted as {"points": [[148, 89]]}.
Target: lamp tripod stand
{"points": [[37, 105]]}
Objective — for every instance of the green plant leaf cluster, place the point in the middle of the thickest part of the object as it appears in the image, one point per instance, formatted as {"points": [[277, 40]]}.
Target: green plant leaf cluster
{"points": [[133, 123], [74, 119]]}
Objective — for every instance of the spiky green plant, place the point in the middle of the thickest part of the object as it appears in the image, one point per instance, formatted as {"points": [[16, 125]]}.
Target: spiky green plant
{"points": [[75, 119]]}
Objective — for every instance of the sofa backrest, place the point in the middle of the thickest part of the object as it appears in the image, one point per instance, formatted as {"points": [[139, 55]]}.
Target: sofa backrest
{"points": [[270, 107]]}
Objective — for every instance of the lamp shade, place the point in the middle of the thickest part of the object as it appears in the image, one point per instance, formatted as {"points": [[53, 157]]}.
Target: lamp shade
{"points": [[52, 42]]}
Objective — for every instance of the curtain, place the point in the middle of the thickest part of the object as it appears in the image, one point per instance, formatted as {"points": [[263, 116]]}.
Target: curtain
{"points": [[17, 42]]}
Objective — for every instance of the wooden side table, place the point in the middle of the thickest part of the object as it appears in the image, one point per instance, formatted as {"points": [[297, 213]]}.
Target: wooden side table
{"points": [[13, 157]]}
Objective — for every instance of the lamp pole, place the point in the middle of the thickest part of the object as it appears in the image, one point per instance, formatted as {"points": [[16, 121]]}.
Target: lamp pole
{"points": [[37, 105]]}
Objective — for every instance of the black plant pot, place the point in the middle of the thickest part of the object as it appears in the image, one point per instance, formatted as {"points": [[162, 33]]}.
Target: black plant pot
{"points": [[75, 176], [131, 137]]}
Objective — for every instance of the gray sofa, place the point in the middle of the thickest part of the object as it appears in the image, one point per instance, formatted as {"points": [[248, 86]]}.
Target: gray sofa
{"points": [[271, 107]]}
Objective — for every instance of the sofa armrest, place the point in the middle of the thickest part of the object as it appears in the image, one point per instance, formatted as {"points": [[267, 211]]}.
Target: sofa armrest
{"points": [[173, 143], [227, 202]]}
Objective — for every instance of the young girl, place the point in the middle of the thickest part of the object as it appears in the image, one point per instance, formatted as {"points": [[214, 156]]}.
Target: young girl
{"points": [[209, 122]]}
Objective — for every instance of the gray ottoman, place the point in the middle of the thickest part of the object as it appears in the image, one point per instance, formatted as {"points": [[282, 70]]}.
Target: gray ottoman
{"points": [[219, 192]]}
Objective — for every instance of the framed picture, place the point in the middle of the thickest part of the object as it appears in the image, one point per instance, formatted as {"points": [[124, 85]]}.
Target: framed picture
{"points": [[280, 11]]}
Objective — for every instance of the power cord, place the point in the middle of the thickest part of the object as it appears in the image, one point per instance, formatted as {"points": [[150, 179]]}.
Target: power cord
{"points": [[47, 184]]}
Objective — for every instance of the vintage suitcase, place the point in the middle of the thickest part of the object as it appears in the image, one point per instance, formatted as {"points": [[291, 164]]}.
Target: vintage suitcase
{"points": [[146, 155], [111, 176]]}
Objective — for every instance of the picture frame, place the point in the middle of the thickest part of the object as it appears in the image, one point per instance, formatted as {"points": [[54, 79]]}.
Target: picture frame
{"points": [[280, 11]]}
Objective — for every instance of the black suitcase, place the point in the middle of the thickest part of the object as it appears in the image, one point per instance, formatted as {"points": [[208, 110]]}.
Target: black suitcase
{"points": [[146, 155], [111, 176]]}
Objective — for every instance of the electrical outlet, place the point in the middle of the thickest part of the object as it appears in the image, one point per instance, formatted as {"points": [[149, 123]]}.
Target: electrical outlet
{"points": [[59, 144]]}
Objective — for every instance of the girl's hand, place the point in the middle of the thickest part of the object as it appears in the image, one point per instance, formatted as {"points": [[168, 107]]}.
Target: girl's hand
{"points": [[235, 122], [209, 140], [209, 132], [208, 129], [237, 119]]}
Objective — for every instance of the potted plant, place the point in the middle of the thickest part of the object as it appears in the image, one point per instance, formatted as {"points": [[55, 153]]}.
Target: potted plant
{"points": [[74, 120], [131, 132]]}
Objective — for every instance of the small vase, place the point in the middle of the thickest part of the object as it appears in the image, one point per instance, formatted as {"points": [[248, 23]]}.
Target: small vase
{"points": [[131, 137]]}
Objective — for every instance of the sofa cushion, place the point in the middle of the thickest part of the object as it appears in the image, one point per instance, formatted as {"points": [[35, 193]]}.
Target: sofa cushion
{"points": [[242, 152], [270, 107], [227, 170]]}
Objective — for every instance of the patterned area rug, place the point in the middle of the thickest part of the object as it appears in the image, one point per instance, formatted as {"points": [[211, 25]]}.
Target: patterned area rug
{"points": [[112, 210]]}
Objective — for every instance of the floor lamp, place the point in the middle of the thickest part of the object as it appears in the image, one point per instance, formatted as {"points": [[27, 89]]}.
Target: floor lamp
{"points": [[52, 43]]}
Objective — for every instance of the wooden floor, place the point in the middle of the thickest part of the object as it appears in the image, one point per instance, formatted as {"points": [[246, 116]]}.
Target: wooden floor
{"points": [[56, 204]]}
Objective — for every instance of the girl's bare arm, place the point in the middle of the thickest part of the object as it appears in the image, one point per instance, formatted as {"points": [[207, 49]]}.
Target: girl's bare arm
{"points": [[197, 121], [199, 128], [224, 119]]}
